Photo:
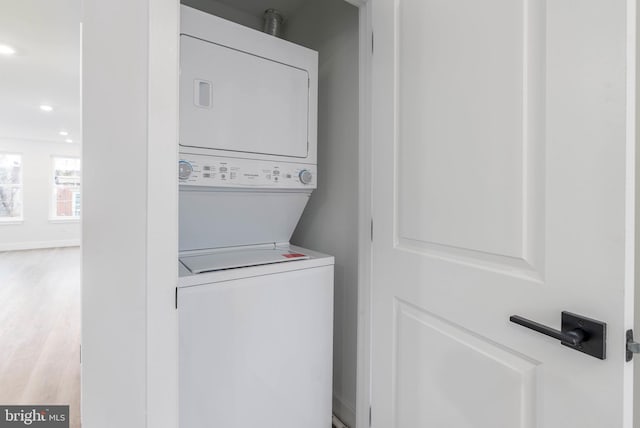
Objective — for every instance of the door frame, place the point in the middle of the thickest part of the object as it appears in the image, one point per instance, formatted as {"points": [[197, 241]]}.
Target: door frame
{"points": [[365, 213], [149, 387]]}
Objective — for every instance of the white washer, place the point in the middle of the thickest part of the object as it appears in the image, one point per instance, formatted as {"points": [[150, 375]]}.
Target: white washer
{"points": [[256, 342]]}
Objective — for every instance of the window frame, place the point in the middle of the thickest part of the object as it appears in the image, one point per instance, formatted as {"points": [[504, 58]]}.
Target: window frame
{"points": [[20, 219], [53, 218]]}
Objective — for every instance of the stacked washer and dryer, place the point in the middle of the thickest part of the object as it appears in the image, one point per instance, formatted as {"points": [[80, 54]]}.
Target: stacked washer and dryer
{"points": [[255, 313]]}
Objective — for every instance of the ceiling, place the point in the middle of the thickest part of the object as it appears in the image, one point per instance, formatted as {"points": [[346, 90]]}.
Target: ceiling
{"points": [[44, 70]]}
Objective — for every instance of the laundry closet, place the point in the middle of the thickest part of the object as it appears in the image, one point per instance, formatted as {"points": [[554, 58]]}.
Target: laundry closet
{"points": [[328, 218]]}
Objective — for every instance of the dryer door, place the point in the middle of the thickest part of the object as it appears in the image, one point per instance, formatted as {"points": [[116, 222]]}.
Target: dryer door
{"points": [[235, 101]]}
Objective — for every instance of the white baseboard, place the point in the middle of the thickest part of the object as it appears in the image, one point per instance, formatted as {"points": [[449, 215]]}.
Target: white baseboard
{"points": [[15, 246], [337, 423], [345, 412]]}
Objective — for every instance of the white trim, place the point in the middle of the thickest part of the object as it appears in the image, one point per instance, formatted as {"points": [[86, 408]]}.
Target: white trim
{"points": [[162, 222], [5, 221], [630, 402], [337, 423], [345, 413], [53, 187], [52, 156], [38, 140], [35, 245], [55, 220], [16, 220], [365, 196]]}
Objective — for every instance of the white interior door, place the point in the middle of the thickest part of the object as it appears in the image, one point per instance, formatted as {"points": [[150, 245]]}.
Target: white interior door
{"points": [[503, 159]]}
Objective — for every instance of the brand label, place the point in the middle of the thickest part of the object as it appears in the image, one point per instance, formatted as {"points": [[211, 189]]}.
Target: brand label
{"points": [[34, 416]]}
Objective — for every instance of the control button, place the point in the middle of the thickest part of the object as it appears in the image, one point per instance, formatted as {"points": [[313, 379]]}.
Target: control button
{"points": [[305, 176], [184, 170], [223, 169]]}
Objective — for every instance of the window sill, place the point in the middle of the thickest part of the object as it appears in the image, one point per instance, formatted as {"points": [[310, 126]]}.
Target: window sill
{"points": [[12, 221], [64, 220]]}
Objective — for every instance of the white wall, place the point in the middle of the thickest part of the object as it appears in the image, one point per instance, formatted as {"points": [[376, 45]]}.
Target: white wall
{"points": [[37, 230], [129, 229], [330, 221], [225, 11]]}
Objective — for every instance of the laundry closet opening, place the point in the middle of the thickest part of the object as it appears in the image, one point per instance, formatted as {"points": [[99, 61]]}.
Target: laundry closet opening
{"points": [[329, 223]]}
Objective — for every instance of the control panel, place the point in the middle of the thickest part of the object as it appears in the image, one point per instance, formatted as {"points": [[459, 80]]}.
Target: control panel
{"points": [[214, 171]]}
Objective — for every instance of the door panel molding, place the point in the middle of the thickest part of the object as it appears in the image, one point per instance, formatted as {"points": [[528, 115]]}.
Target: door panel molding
{"points": [[456, 368], [496, 213], [510, 266]]}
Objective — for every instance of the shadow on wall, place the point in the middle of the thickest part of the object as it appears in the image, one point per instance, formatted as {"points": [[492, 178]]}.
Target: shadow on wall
{"points": [[330, 221]]}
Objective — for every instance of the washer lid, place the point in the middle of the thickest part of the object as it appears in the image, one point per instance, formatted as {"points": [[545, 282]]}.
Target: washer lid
{"points": [[239, 258]]}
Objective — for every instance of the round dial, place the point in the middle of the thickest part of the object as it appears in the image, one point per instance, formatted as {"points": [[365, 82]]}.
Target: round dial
{"points": [[184, 170], [305, 176]]}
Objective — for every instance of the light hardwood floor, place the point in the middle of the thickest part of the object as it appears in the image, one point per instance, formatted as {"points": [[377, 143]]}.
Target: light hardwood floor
{"points": [[40, 328]]}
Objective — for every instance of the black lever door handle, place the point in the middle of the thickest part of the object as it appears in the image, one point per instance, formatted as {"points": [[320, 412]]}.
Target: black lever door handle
{"points": [[580, 333], [573, 337]]}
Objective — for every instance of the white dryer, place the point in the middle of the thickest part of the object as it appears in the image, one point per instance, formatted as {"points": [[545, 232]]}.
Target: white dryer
{"points": [[255, 314], [244, 93]]}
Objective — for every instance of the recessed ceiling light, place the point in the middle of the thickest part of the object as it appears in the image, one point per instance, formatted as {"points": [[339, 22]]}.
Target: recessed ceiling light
{"points": [[63, 133], [68, 140], [45, 107], [6, 50]]}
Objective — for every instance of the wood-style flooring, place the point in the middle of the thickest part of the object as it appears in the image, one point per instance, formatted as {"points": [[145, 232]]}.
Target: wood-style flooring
{"points": [[40, 328]]}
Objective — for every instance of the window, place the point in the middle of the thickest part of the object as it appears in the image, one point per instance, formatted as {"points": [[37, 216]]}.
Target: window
{"points": [[10, 187], [66, 188]]}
